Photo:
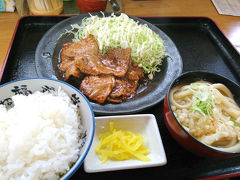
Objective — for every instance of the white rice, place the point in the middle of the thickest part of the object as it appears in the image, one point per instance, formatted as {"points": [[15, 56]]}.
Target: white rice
{"points": [[39, 136]]}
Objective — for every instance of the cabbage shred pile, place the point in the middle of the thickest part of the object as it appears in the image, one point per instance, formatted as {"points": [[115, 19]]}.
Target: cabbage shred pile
{"points": [[147, 47]]}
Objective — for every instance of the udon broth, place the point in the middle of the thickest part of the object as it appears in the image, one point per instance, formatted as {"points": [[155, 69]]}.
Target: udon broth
{"points": [[209, 113]]}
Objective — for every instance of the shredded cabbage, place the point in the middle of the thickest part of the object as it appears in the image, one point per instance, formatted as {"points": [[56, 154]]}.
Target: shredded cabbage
{"points": [[121, 31]]}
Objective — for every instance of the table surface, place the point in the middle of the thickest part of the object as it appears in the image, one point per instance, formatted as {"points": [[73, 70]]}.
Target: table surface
{"points": [[230, 25]]}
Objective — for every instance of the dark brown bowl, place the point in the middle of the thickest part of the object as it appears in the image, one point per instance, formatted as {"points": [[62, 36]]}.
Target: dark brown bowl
{"points": [[176, 129]]}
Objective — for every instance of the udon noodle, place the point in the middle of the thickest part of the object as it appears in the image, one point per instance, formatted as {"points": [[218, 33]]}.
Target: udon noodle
{"points": [[209, 113]]}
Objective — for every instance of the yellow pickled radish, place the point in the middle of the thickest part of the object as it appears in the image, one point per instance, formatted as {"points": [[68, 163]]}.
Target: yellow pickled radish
{"points": [[121, 145]]}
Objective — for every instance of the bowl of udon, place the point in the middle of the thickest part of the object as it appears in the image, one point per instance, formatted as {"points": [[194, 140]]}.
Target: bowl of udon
{"points": [[201, 112]]}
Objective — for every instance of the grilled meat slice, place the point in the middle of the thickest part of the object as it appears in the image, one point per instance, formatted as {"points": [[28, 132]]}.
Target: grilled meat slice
{"points": [[126, 87], [89, 64], [115, 64], [119, 88], [134, 72], [97, 88], [118, 91], [72, 71], [131, 88], [67, 64], [117, 61], [85, 46]]}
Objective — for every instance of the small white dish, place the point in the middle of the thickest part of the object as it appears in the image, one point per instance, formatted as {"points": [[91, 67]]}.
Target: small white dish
{"points": [[145, 124]]}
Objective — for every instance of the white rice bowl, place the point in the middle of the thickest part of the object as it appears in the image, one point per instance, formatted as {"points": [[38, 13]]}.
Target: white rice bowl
{"points": [[44, 135]]}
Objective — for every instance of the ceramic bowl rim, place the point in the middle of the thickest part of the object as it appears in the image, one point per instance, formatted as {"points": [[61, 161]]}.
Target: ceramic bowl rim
{"points": [[179, 124]]}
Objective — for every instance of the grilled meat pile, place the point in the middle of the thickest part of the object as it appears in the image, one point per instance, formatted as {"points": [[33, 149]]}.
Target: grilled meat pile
{"points": [[112, 77]]}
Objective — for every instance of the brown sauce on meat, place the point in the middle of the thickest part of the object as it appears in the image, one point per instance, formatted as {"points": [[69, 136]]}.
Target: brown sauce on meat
{"points": [[113, 77]]}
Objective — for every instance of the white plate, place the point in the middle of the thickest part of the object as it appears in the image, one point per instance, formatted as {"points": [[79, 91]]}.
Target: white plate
{"points": [[145, 124]]}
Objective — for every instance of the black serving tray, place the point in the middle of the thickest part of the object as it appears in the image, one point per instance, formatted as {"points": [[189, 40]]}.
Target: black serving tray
{"points": [[202, 46]]}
